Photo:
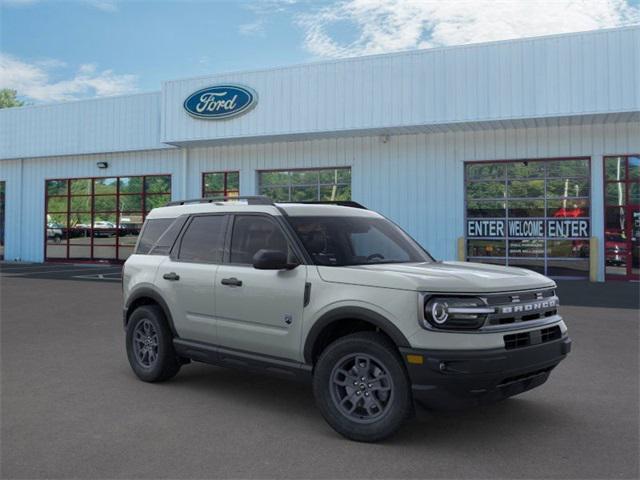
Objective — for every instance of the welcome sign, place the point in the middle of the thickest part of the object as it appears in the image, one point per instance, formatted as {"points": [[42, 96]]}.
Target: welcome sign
{"points": [[220, 102], [528, 228]]}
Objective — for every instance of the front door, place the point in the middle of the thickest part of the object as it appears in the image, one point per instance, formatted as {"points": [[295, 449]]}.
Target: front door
{"points": [[187, 278], [622, 217], [259, 310]]}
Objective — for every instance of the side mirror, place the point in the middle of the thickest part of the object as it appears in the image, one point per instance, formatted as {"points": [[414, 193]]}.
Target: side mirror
{"points": [[272, 260]]}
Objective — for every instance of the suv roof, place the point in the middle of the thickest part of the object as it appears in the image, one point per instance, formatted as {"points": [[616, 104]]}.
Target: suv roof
{"points": [[260, 205]]}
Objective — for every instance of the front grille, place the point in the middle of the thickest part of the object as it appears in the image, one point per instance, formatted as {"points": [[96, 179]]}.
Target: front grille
{"points": [[525, 307], [506, 298], [536, 337]]}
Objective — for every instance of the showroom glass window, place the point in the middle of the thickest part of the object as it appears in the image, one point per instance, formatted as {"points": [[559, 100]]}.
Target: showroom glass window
{"points": [[328, 184], [533, 214], [99, 218], [622, 217], [221, 184]]}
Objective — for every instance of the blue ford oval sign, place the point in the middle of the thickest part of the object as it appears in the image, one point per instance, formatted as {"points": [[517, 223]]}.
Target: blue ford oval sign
{"points": [[220, 101]]}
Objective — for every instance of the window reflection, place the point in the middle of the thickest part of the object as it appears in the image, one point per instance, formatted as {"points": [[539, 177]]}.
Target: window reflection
{"points": [[485, 171], [615, 168], [221, 184], [329, 184], [101, 218], [527, 194]]}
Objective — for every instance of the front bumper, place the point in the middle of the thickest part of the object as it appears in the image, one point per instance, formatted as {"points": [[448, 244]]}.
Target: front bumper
{"points": [[459, 378]]}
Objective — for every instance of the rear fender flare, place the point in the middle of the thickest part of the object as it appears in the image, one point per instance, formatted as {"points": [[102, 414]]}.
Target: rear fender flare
{"points": [[146, 292]]}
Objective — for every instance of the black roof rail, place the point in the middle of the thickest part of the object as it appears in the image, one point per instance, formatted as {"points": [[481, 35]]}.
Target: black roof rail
{"points": [[341, 203], [251, 200]]}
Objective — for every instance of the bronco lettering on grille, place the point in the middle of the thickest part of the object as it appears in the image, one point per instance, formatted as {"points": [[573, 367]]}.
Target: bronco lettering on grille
{"points": [[529, 307]]}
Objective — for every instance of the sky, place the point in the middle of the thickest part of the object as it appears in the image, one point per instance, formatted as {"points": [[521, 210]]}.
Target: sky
{"points": [[54, 50]]}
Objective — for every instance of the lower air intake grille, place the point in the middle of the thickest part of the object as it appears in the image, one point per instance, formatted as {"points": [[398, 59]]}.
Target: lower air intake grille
{"points": [[525, 339]]}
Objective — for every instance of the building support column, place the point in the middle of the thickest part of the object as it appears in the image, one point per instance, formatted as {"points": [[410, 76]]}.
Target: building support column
{"points": [[597, 212], [184, 172], [248, 180], [20, 224]]}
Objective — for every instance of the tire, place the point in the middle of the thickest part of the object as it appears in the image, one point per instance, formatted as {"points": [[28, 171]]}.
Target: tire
{"points": [[382, 405], [152, 357]]}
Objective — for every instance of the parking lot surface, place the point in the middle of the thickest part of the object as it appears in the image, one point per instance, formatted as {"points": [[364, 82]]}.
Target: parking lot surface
{"points": [[71, 407]]}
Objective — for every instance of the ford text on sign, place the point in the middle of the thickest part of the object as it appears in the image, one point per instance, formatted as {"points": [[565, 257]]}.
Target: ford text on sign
{"points": [[220, 102], [525, 228]]}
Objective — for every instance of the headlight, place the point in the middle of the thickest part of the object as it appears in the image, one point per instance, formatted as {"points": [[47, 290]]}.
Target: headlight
{"points": [[457, 313]]}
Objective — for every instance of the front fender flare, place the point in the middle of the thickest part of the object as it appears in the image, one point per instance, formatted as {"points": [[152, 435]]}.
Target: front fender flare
{"points": [[357, 313]]}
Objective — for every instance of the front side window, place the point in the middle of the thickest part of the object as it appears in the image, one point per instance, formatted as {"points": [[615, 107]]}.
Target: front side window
{"points": [[203, 241], [252, 233], [326, 184], [344, 241]]}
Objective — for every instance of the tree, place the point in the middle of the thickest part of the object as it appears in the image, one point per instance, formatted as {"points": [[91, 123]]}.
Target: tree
{"points": [[8, 98]]}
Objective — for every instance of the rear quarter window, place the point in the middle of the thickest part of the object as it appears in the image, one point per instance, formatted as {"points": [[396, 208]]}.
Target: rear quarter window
{"points": [[151, 232]]}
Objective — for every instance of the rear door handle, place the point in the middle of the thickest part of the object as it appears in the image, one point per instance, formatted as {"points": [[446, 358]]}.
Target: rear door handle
{"points": [[231, 282], [173, 276]]}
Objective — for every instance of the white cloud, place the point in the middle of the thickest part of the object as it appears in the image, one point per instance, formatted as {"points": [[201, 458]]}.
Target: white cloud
{"points": [[268, 7], [253, 28], [104, 5], [34, 80], [390, 25]]}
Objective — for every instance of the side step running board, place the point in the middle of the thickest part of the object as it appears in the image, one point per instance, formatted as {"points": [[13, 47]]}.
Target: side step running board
{"points": [[225, 357]]}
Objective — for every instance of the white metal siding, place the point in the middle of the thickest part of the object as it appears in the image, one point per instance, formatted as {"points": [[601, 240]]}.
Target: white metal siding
{"points": [[11, 174], [114, 124], [558, 76]]}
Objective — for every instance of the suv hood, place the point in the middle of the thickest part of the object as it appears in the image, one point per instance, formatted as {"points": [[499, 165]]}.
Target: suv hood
{"points": [[446, 277]]}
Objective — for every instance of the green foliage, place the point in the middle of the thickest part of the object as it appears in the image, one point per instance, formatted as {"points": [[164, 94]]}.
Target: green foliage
{"points": [[158, 184], [8, 98], [307, 185]]}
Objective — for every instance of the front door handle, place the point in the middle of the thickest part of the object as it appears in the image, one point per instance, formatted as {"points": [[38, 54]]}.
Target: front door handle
{"points": [[173, 276], [231, 282]]}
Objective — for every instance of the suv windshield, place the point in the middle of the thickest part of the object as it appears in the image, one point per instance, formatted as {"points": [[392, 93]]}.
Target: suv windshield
{"points": [[343, 241]]}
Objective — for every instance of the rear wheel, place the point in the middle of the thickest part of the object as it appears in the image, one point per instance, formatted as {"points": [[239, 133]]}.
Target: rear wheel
{"points": [[361, 387], [150, 345]]}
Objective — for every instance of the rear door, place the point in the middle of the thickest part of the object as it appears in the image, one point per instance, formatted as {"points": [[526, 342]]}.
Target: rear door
{"points": [[259, 311], [187, 277]]}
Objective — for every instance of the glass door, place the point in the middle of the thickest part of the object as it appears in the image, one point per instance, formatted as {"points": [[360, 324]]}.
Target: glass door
{"points": [[635, 242], [2, 187], [99, 219], [622, 217]]}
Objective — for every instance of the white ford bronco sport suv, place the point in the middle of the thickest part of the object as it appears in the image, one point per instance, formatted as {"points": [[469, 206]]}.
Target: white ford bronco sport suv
{"points": [[340, 295]]}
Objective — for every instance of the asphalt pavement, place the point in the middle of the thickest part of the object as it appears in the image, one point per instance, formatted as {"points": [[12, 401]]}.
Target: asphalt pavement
{"points": [[71, 407]]}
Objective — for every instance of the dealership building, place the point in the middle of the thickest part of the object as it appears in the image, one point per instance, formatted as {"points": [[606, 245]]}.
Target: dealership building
{"points": [[522, 153]]}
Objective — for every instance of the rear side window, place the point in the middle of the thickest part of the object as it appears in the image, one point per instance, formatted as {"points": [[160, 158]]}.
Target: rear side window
{"points": [[203, 241], [152, 230], [168, 238]]}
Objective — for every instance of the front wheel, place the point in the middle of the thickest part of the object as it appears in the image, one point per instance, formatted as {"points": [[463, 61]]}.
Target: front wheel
{"points": [[361, 387], [150, 345]]}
